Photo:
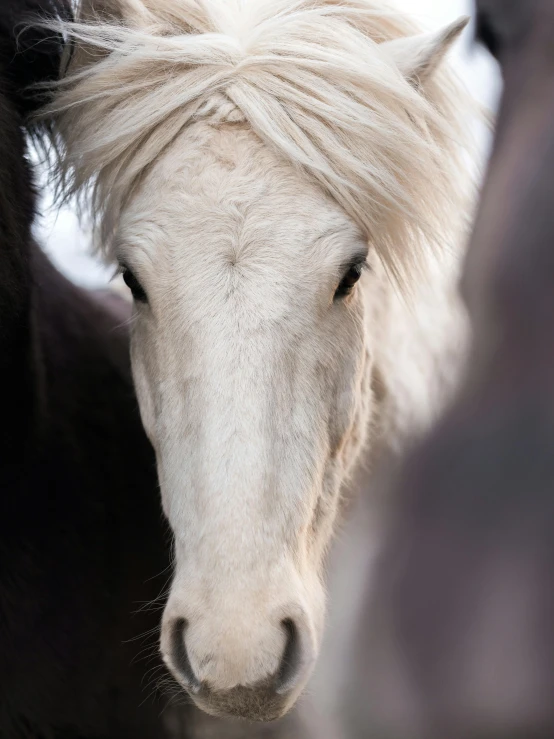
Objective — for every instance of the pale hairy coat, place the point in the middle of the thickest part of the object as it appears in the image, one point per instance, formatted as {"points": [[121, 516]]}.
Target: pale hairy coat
{"points": [[244, 158]]}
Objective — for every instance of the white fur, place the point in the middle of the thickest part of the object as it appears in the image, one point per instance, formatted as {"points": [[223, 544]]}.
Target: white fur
{"points": [[241, 153]]}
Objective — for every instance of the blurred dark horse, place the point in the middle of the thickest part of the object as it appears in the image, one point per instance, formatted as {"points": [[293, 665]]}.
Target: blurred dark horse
{"points": [[82, 541], [467, 576]]}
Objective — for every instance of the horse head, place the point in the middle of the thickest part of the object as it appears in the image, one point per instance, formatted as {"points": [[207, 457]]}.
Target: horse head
{"points": [[271, 178]]}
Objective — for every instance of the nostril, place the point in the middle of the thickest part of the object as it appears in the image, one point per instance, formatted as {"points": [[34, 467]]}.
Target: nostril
{"points": [[180, 656], [292, 663]]}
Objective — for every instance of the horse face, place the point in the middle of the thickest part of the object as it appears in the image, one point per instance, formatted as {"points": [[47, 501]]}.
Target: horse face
{"points": [[251, 359]]}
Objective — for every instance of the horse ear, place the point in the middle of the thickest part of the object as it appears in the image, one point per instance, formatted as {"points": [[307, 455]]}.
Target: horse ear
{"points": [[418, 57]]}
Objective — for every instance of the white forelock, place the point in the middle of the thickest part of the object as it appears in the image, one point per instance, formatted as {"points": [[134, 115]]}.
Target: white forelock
{"points": [[312, 79]]}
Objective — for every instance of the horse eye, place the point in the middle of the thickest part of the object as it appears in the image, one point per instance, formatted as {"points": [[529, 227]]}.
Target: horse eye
{"points": [[486, 33], [349, 280], [134, 286]]}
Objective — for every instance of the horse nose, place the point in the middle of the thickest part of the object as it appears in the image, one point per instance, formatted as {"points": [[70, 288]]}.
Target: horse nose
{"points": [[294, 657], [266, 700], [180, 657]]}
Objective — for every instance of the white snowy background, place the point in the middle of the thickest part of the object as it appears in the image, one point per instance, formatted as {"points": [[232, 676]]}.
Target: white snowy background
{"points": [[68, 244]]}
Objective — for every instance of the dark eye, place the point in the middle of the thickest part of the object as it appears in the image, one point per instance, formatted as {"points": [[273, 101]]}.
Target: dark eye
{"points": [[349, 280], [487, 34], [134, 286]]}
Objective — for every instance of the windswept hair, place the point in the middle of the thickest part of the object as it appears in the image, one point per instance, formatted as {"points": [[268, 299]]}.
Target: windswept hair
{"points": [[308, 76], [29, 52]]}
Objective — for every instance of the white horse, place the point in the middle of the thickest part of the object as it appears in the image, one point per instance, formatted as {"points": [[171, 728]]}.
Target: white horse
{"points": [[283, 185]]}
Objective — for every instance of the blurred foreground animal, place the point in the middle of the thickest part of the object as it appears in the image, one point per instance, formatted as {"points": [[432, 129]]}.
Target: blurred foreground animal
{"points": [[82, 541], [465, 584]]}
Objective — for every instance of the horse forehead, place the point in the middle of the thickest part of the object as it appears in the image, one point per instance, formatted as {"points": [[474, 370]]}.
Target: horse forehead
{"points": [[220, 189], [209, 159]]}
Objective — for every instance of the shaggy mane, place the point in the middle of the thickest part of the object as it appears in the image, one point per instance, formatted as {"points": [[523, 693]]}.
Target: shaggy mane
{"points": [[308, 76]]}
